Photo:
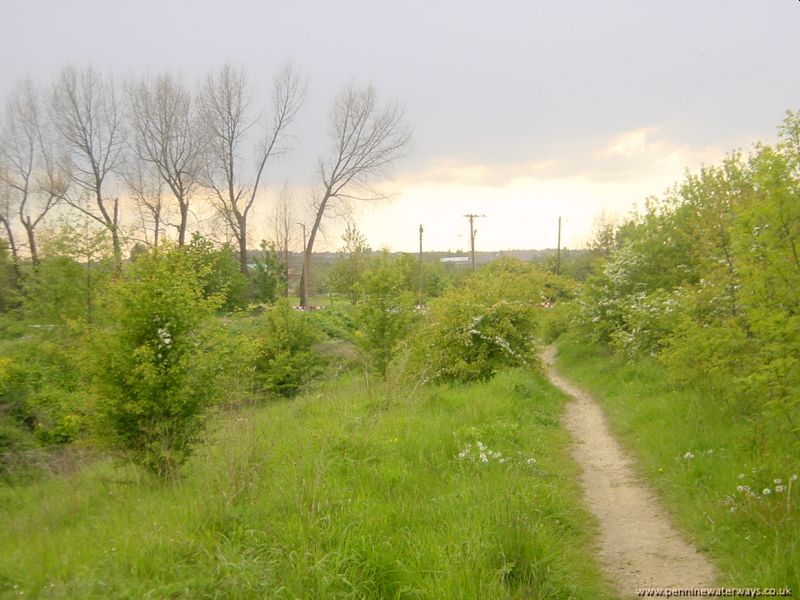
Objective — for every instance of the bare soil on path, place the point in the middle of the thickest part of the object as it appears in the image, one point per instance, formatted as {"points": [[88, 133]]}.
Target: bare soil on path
{"points": [[638, 546]]}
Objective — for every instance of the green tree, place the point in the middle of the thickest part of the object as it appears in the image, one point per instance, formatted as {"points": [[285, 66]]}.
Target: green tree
{"points": [[77, 263], [150, 368], [384, 313], [221, 272], [267, 280], [346, 274], [708, 279]]}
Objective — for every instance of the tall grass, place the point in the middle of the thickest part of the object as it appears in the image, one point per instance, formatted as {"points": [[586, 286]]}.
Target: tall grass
{"points": [[716, 468], [340, 494]]}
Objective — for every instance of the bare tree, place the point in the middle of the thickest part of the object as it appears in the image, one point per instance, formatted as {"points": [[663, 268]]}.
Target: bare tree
{"points": [[167, 135], [87, 115], [225, 111], [145, 184], [283, 230], [36, 182], [367, 138]]}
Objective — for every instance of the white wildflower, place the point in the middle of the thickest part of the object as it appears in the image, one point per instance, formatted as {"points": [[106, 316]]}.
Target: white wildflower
{"points": [[767, 491], [778, 489], [740, 488], [484, 458], [778, 481], [793, 478], [741, 475], [688, 456]]}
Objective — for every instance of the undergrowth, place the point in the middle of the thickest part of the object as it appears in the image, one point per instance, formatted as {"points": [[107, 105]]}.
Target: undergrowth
{"points": [[449, 492]]}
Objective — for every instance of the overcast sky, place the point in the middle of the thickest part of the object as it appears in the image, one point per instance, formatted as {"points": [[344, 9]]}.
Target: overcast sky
{"points": [[522, 111]]}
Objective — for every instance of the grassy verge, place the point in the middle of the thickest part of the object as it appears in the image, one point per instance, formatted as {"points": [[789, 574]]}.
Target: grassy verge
{"points": [[717, 469], [462, 492]]}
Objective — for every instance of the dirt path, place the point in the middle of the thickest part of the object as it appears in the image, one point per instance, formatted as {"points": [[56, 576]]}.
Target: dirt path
{"points": [[637, 545]]}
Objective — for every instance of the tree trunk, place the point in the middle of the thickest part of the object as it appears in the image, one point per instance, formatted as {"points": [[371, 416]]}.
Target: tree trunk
{"points": [[29, 230], [310, 246], [184, 223], [157, 225], [243, 244], [286, 270]]}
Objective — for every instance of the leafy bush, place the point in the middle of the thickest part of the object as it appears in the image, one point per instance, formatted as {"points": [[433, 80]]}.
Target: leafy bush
{"points": [[384, 314], [285, 358], [335, 321], [709, 279], [473, 330], [555, 320], [345, 276], [218, 270], [153, 382], [268, 275], [42, 390]]}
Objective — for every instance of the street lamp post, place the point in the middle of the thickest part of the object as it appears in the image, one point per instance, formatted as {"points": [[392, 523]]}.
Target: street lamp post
{"points": [[304, 277]]}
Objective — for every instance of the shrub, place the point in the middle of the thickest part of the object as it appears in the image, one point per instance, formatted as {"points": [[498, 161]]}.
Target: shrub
{"points": [[475, 329], [154, 386], [385, 312], [285, 358], [42, 390], [218, 272]]}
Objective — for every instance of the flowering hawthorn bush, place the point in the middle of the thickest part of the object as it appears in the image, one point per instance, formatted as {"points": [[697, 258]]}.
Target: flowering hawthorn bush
{"points": [[153, 383]]}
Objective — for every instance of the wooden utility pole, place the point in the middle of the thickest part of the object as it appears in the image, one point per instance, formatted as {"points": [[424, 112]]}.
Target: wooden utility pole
{"points": [[472, 233], [421, 276], [558, 249], [305, 275]]}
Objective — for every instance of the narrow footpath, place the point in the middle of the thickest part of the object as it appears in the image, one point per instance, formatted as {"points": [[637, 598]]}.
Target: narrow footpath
{"points": [[638, 546]]}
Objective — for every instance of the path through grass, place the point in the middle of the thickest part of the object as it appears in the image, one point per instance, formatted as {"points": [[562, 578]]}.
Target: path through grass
{"points": [[727, 481]]}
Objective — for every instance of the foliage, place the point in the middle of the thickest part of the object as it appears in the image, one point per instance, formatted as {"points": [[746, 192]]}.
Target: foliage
{"points": [[326, 497], [41, 387], [267, 281], [710, 460], [153, 382], [336, 321], [708, 280], [435, 279], [219, 270], [345, 276], [284, 357], [385, 312], [76, 264], [484, 324], [8, 279]]}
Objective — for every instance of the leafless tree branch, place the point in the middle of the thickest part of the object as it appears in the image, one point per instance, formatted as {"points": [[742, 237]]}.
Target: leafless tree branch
{"points": [[366, 139]]}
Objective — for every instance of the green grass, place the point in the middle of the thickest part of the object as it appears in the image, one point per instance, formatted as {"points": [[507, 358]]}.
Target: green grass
{"points": [[345, 493], [755, 540]]}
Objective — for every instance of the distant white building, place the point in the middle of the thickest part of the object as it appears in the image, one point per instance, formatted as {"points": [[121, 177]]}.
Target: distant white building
{"points": [[455, 259]]}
